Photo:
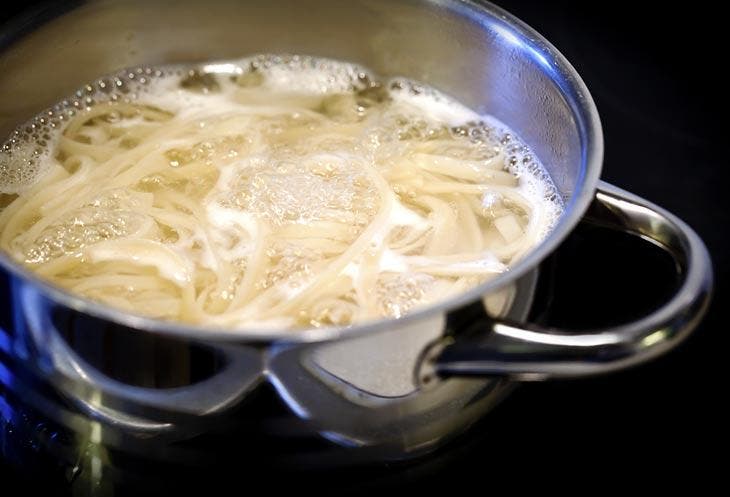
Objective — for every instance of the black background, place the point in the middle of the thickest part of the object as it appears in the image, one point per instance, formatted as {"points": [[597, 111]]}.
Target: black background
{"points": [[655, 72]]}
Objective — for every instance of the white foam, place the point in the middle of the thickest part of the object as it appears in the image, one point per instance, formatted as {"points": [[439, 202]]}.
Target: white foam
{"points": [[225, 224], [435, 106], [310, 75]]}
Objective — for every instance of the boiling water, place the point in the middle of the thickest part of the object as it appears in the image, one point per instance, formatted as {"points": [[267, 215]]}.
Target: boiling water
{"points": [[269, 192]]}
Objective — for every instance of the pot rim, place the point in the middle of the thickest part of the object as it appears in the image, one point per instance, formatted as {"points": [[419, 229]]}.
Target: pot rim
{"points": [[532, 45]]}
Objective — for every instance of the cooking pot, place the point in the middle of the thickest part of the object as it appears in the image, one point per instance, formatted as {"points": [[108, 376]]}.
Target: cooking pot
{"points": [[396, 387]]}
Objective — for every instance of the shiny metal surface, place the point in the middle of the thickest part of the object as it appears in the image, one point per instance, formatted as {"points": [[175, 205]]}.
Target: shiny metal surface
{"points": [[503, 68], [354, 386], [528, 352]]}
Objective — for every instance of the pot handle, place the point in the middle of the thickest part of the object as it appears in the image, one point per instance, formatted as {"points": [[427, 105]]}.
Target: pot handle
{"points": [[530, 352]]}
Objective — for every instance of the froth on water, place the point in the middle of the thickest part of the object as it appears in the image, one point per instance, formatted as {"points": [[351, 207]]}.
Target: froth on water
{"points": [[272, 191]]}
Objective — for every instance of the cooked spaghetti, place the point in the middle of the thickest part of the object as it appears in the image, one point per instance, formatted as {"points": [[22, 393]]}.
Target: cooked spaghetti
{"points": [[268, 192]]}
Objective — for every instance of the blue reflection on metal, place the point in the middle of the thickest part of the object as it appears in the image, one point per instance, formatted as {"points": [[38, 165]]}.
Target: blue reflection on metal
{"points": [[540, 57], [534, 52], [6, 411], [295, 406], [342, 440], [504, 32], [539, 52], [6, 377], [18, 327], [4, 341]]}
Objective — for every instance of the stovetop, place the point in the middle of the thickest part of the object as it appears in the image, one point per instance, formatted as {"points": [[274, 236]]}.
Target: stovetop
{"points": [[653, 75]]}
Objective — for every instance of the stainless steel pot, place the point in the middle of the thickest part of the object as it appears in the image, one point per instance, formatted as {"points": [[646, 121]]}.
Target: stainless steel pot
{"points": [[398, 387]]}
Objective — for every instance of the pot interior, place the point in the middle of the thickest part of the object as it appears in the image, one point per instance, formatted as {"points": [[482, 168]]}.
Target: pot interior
{"points": [[472, 54], [475, 52]]}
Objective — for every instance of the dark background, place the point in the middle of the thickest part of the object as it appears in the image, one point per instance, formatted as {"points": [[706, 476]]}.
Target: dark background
{"points": [[655, 74]]}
